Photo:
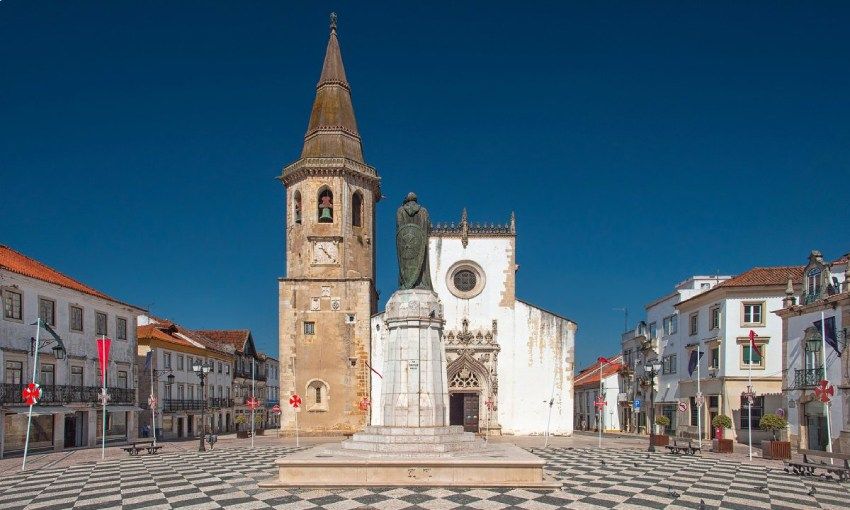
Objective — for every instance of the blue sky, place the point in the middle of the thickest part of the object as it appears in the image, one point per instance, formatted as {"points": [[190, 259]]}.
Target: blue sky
{"points": [[638, 142]]}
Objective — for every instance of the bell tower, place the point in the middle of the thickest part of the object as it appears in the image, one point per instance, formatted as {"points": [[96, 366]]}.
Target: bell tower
{"points": [[328, 294]]}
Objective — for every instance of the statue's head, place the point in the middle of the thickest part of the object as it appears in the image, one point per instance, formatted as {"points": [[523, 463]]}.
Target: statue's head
{"points": [[411, 197]]}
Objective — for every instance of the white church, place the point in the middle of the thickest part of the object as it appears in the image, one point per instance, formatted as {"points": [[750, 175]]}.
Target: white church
{"points": [[510, 363]]}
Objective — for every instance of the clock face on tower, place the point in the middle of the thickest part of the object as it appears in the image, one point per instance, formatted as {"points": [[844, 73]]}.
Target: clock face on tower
{"points": [[325, 252]]}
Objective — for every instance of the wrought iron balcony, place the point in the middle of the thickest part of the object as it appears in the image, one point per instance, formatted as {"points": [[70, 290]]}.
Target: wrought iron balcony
{"points": [[181, 405], [217, 402], [246, 374], [66, 394], [807, 378], [272, 403]]}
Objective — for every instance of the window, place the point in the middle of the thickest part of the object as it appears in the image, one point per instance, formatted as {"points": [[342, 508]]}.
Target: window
{"points": [[168, 394], [120, 328], [464, 280], [705, 285], [670, 324], [714, 317], [227, 368], [653, 330], [694, 412], [48, 374], [75, 318], [693, 321], [296, 207], [77, 376], [227, 390], [12, 305], [181, 392], [14, 372], [668, 364], [746, 351], [758, 410], [326, 206], [752, 313], [714, 358], [179, 362], [309, 328], [122, 379], [813, 281], [627, 357], [357, 209], [219, 367], [100, 324], [318, 392], [813, 349], [191, 392], [166, 360], [47, 310]]}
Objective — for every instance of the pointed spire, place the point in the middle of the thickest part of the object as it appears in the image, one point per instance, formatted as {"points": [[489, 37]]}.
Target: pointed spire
{"points": [[332, 131], [464, 228], [513, 222]]}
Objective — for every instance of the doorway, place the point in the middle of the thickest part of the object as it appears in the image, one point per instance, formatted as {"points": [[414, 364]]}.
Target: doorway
{"points": [[463, 410], [70, 431], [191, 422], [180, 427]]}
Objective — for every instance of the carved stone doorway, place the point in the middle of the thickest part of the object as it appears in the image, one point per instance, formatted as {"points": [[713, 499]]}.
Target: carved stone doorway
{"points": [[463, 410]]}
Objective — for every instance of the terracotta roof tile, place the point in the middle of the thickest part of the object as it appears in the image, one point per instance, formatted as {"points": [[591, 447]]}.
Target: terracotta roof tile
{"points": [[17, 262], [760, 276], [234, 337], [589, 376]]}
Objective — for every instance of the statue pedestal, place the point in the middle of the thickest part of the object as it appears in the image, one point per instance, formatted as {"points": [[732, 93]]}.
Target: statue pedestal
{"points": [[416, 445]]}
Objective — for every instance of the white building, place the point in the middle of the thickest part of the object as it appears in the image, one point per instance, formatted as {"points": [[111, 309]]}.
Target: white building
{"points": [[271, 398], [69, 413], [588, 389], [825, 295], [665, 334], [500, 350], [177, 388], [717, 323]]}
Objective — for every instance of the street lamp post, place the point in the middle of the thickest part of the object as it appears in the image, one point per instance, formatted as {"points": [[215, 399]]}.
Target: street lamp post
{"points": [[201, 370], [651, 369], [152, 399]]}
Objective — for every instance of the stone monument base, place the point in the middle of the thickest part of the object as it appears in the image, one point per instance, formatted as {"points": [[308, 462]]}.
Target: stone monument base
{"points": [[335, 466]]}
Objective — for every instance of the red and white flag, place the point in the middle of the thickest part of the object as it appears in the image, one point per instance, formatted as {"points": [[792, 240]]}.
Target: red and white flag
{"points": [[602, 360], [753, 345], [103, 345]]}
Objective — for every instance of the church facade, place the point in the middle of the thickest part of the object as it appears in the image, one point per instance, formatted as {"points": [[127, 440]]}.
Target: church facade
{"points": [[510, 363]]}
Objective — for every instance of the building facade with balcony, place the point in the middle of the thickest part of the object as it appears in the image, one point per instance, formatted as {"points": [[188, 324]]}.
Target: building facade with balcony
{"points": [[714, 348], [69, 413], [168, 349], [634, 382], [249, 377], [662, 336], [812, 352], [271, 397], [588, 389]]}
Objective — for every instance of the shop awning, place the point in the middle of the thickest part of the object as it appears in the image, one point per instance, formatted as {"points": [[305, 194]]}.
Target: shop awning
{"points": [[118, 408], [41, 410]]}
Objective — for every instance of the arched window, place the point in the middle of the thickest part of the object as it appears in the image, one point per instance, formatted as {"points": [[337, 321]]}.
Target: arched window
{"points": [[326, 206], [296, 206], [357, 209], [317, 395]]}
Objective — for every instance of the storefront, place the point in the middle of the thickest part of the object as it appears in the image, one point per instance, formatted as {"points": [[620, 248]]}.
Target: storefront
{"points": [[42, 428]]}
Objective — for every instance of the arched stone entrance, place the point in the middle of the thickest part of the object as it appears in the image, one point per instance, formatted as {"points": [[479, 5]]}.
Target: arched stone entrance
{"points": [[469, 389]]}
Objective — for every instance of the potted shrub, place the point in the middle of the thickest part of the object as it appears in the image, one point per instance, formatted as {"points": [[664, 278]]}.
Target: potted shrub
{"points": [[720, 423], [240, 420], [774, 449], [661, 439], [258, 425]]}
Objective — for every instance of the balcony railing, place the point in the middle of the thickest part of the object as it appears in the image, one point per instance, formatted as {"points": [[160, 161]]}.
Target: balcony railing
{"points": [[807, 378], [181, 405], [272, 403], [66, 394], [246, 374], [217, 402]]}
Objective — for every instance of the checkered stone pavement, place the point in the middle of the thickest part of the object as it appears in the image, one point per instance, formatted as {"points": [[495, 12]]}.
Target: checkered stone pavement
{"points": [[592, 479]]}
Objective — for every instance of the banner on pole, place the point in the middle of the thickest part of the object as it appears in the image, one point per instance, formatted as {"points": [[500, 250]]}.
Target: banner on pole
{"points": [[103, 345]]}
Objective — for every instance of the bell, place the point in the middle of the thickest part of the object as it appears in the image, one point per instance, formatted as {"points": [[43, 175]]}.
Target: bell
{"points": [[326, 216]]}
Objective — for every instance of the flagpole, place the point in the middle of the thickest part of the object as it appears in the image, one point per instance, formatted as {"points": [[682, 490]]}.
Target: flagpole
{"points": [[825, 404], [103, 382], [698, 399], [750, 398], [253, 398], [34, 367], [151, 399]]}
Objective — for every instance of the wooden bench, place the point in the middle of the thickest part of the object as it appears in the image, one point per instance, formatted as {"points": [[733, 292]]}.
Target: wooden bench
{"points": [[825, 461], [687, 446], [135, 448]]}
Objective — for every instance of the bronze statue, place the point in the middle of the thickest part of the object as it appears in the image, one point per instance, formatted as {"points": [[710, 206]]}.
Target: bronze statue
{"points": [[412, 228]]}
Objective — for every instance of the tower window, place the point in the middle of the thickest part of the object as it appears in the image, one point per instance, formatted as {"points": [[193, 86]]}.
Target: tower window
{"points": [[326, 206], [309, 328], [357, 209], [296, 206]]}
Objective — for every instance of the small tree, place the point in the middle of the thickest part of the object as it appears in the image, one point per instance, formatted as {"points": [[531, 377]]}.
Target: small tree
{"points": [[721, 420], [662, 421], [774, 423], [240, 420]]}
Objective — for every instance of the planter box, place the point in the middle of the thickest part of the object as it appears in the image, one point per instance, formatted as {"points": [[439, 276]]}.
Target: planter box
{"points": [[776, 449], [660, 440], [243, 434], [722, 445]]}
